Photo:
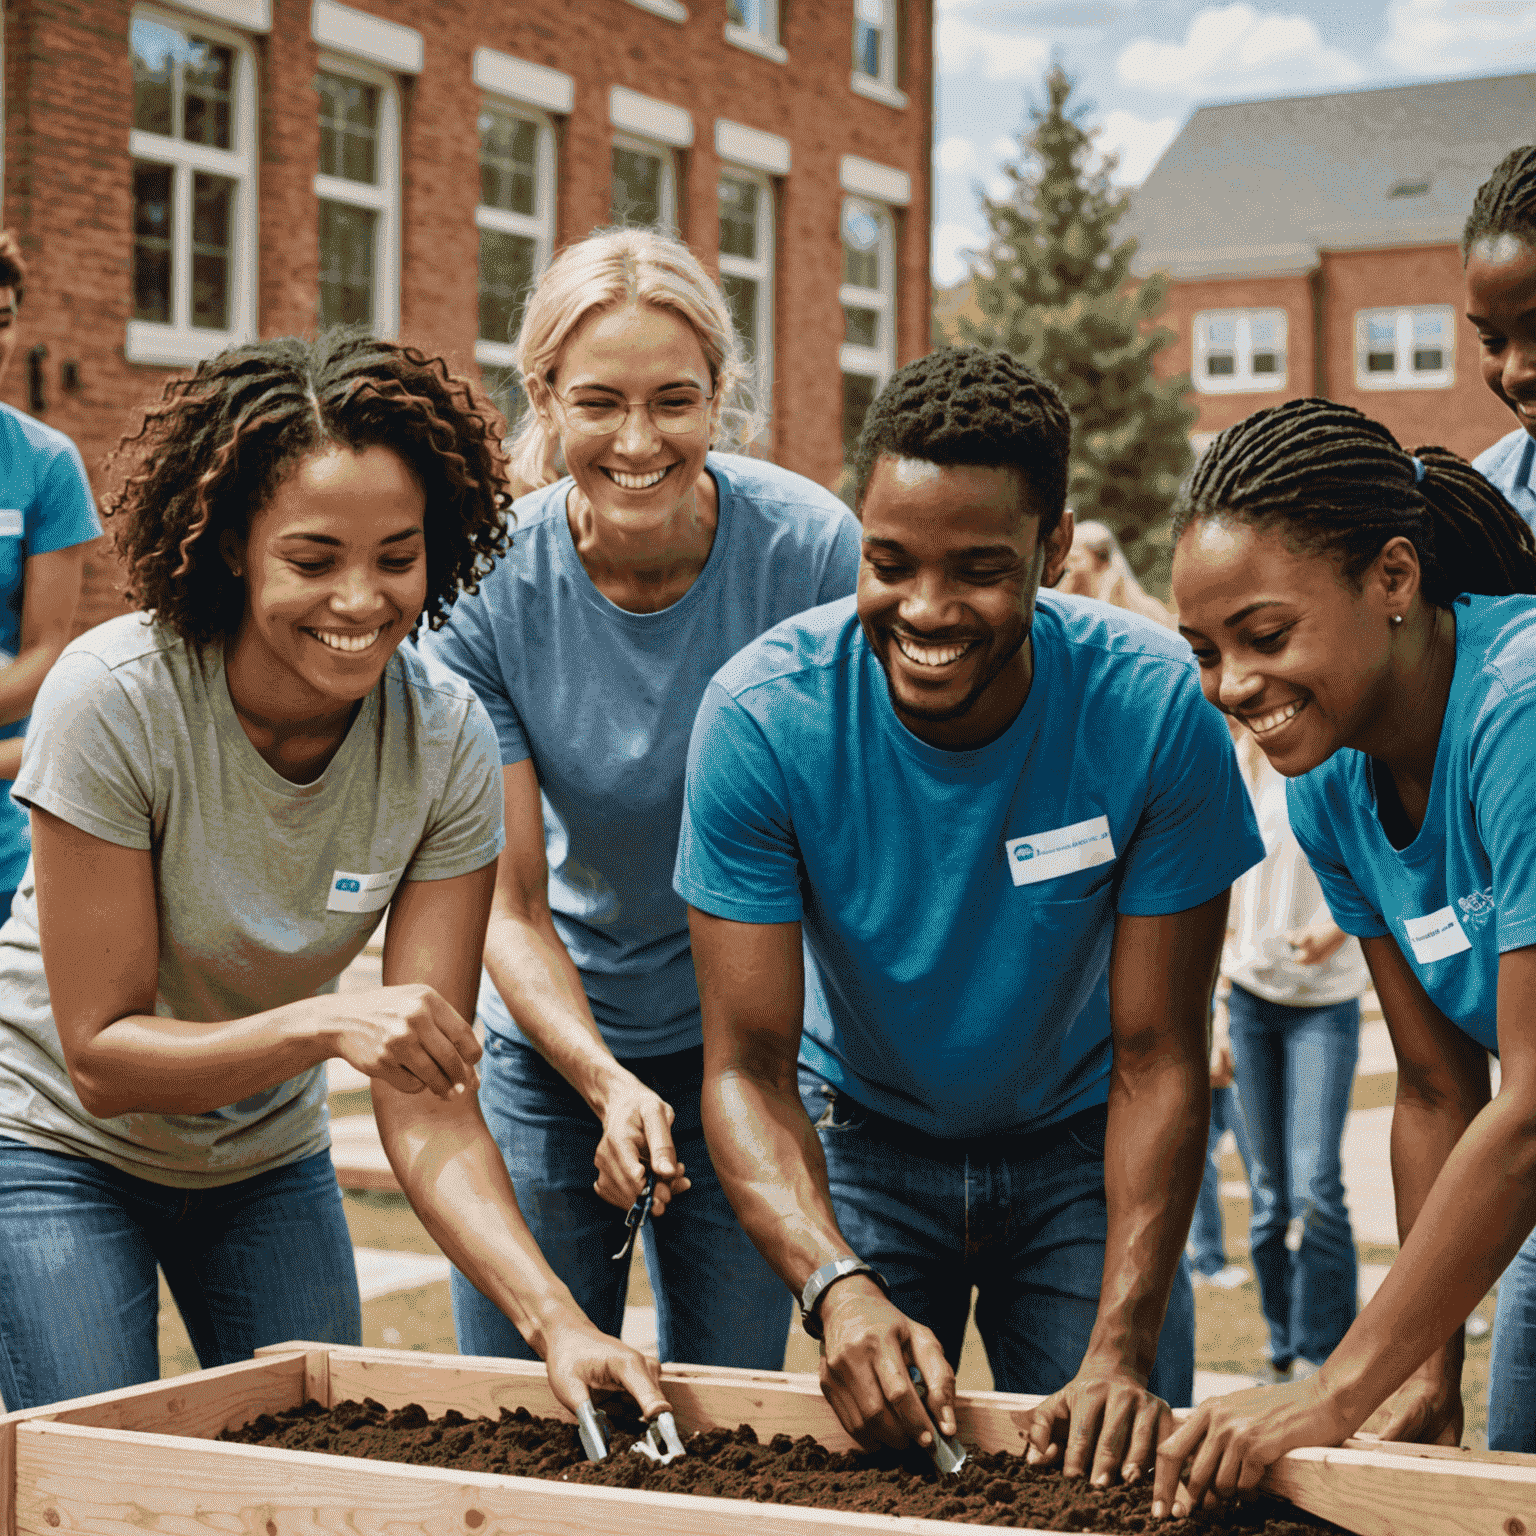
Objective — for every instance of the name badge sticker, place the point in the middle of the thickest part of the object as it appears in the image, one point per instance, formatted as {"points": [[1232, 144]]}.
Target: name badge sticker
{"points": [[355, 892], [10, 523], [1048, 855], [1436, 936]]}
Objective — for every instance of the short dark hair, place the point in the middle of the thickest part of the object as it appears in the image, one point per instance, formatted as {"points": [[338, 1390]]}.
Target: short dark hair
{"points": [[214, 448], [13, 270], [1506, 203], [967, 405], [1329, 480]]}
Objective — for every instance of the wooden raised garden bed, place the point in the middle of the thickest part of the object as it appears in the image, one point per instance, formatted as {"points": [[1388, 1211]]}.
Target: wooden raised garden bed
{"points": [[140, 1462]]}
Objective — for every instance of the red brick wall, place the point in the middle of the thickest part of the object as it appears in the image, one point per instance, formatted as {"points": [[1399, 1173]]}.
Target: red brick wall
{"points": [[68, 103]]}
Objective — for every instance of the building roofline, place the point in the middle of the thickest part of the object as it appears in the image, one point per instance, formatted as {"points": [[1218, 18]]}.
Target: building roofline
{"points": [[1380, 87]]}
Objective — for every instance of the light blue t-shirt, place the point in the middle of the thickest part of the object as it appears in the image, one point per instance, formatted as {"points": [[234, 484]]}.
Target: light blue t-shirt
{"points": [[961, 905], [603, 700], [45, 504], [1507, 467], [1464, 890]]}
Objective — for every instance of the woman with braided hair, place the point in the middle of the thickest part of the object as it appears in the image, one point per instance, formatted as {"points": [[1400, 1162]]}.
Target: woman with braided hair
{"points": [[1367, 614], [226, 793]]}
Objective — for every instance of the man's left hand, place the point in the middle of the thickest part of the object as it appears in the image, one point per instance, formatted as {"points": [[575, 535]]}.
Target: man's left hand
{"points": [[1106, 1422]]}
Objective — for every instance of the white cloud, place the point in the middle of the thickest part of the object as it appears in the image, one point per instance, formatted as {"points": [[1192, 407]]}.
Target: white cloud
{"points": [[1437, 37], [1004, 148], [1138, 141], [966, 48], [950, 243], [1000, 189], [1235, 50], [955, 155]]}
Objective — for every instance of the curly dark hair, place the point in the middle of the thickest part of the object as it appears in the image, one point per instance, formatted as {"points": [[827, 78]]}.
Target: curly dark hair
{"points": [[1331, 481], [13, 270], [216, 445], [1506, 203], [966, 405]]}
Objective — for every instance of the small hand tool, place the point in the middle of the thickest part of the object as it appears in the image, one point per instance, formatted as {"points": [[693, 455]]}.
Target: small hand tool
{"points": [[661, 1442], [948, 1455], [637, 1215], [592, 1425]]}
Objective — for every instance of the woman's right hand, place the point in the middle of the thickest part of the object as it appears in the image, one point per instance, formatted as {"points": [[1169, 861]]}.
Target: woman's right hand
{"points": [[582, 1360], [637, 1136], [407, 1036]]}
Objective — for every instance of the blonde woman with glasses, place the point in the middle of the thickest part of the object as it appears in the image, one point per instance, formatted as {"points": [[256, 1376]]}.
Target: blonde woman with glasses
{"points": [[635, 575]]}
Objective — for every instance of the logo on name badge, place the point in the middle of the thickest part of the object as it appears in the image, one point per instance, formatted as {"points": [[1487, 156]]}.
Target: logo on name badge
{"points": [[1048, 855], [352, 891], [1435, 936], [10, 523]]}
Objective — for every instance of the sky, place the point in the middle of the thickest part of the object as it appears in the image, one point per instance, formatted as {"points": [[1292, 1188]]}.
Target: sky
{"points": [[1144, 65]]}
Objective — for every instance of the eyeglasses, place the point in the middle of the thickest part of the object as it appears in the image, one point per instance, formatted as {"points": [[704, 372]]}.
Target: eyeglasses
{"points": [[673, 411]]}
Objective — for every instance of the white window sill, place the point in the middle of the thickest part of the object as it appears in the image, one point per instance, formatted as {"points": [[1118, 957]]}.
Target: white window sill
{"points": [[1386, 381], [165, 346], [755, 42], [876, 90], [670, 10], [1239, 386]]}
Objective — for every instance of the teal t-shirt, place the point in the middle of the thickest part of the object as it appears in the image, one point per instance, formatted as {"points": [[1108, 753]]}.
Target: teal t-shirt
{"points": [[1464, 890], [960, 906]]}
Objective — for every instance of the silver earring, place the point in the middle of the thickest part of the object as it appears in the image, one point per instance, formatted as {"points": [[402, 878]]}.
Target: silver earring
{"points": [[1397, 618]]}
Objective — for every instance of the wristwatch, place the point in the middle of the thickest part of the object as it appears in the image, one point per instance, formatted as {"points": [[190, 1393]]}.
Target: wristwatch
{"points": [[830, 1274]]}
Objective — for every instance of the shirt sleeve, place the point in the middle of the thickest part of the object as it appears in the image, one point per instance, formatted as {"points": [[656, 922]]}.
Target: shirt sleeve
{"points": [[1197, 831], [1306, 803], [87, 755], [466, 645], [841, 577], [465, 832], [63, 513], [1503, 753], [737, 856]]}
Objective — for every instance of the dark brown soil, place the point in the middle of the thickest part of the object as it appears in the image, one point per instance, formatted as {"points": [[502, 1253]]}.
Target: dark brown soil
{"points": [[991, 1489]]}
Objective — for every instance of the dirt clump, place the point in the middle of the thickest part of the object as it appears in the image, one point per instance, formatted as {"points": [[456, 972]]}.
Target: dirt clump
{"points": [[993, 1488]]}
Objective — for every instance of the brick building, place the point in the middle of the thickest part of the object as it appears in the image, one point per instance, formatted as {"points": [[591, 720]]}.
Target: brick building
{"points": [[185, 174], [1312, 244]]}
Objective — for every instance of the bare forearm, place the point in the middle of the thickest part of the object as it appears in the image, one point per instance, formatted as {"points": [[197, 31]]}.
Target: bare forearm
{"points": [[21, 678]]}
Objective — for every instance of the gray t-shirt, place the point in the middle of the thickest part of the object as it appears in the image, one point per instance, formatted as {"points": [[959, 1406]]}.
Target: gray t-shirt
{"points": [[266, 889]]}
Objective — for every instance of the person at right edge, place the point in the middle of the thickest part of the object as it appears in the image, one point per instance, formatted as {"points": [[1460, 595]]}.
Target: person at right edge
{"points": [[1007, 823]]}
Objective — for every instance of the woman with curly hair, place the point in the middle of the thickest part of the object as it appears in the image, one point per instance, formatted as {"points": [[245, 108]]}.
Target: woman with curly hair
{"points": [[639, 572], [226, 793]]}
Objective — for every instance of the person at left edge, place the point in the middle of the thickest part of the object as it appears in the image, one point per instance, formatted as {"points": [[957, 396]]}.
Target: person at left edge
{"points": [[1006, 822], [47, 517], [635, 576]]}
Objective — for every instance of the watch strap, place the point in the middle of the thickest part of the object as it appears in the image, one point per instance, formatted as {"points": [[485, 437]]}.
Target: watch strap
{"points": [[828, 1275]]}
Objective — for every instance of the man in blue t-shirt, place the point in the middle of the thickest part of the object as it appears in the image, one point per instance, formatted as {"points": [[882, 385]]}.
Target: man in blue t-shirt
{"points": [[1006, 822]]}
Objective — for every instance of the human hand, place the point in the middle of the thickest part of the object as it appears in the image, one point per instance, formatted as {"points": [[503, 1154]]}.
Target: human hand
{"points": [[1311, 946], [1221, 1062], [867, 1346], [1107, 1422], [637, 1136], [1426, 1410], [582, 1360], [407, 1036], [1228, 1443]]}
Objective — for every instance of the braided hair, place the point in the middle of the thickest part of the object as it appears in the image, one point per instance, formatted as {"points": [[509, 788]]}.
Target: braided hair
{"points": [[1506, 203], [1331, 481], [966, 405], [215, 446]]}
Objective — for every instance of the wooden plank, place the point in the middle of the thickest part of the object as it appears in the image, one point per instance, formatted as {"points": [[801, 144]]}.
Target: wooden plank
{"points": [[88, 1482]]}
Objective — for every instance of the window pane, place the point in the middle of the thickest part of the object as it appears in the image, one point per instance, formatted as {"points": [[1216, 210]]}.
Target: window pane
{"points": [[507, 265], [861, 246], [152, 243], [1266, 362], [858, 396], [508, 162], [1381, 330], [1264, 332], [155, 49], [1220, 365], [1428, 359], [1429, 327], [741, 299], [505, 387], [1221, 334], [637, 188], [738, 217], [866, 49], [213, 205], [861, 327], [346, 264], [349, 128], [1381, 362], [208, 87]]}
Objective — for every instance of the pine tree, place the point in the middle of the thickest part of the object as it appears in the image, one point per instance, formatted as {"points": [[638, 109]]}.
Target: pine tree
{"points": [[1055, 288]]}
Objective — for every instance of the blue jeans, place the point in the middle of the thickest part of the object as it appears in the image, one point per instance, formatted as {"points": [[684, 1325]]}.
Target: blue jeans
{"points": [[1206, 1239], [717, 1301], [1022, 1218], [1294, 1068], [1512, 1371], [251, 1263]]}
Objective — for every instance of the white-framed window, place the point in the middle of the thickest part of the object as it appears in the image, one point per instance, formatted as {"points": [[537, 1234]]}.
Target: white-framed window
{"points": [[754, 24], [868, 297], [1239, 351], [644, 188], [193, 144], [516, 221], [358, 186], [874, 51], [746, 267], [1406, 348]]}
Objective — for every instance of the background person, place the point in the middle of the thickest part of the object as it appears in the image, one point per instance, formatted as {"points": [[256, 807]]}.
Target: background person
{"points": [[1207, 1248], [225, 796], [1330, 584], [635, 577], [1097, 567]]}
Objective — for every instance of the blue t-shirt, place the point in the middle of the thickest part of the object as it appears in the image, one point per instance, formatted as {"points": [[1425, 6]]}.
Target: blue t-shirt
{"points": [[45, 504], [1464, 890], [961, 905], [1507, 467], [603, 700]]}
